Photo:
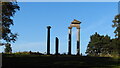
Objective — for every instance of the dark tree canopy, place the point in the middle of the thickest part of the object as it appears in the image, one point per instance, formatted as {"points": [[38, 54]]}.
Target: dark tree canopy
{"points": [[8, 11], [116, 24], [98, 45], [8, 48]]}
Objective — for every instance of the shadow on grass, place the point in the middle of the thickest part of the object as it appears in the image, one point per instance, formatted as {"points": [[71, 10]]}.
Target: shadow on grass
{"points": [[59, 62]]}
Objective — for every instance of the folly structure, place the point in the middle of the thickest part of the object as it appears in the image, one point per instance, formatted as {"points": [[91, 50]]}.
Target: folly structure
{"points": [[76, 24]]}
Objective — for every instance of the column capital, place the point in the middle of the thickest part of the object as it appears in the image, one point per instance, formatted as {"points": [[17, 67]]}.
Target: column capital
{"points": [[69, 27], [48, 27]]}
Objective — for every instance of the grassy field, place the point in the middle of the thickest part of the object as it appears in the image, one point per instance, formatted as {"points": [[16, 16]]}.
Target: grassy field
{"points": [[60, 61]]}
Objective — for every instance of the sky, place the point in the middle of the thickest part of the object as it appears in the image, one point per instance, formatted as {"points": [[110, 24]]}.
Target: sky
{"points": [[61, 0], [68, 0], [33, 18]]}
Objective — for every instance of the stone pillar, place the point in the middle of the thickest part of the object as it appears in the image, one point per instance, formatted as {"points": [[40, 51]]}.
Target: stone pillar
{"points": [[78, 41], [57, 45], [48, 40], [69, 40]]}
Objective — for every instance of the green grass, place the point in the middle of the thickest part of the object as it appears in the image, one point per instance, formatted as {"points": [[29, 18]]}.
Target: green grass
{"points": [[61, 61]]}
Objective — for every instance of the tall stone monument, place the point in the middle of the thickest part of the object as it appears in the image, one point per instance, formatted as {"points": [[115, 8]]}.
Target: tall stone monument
{"points": [[48, 40], [57, 46]]}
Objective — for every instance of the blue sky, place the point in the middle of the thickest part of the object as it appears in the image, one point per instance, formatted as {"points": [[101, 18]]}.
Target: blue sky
{"points": [[33, 18], [68, 0]]}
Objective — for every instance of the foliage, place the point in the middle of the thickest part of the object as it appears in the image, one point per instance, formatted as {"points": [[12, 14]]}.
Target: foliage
{"points": [[116, 24], [27, 53], [8, 11], [98, 45], [8, 48]]}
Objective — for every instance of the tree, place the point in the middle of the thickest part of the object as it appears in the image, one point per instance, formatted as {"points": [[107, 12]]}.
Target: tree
{"points": [[8, 48], [8, 11], [113, 47], [92, 46], [116, 24], [98, 45]]}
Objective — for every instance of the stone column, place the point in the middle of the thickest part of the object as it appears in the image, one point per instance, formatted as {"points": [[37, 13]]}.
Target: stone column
{"points": [[57, 45], [48, 40], [78, 41], [69, 40]]}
